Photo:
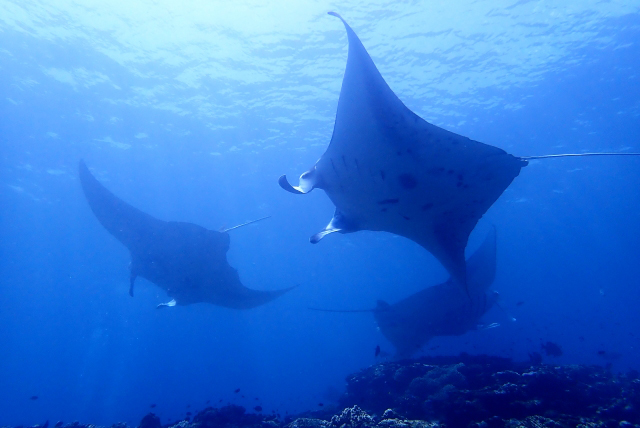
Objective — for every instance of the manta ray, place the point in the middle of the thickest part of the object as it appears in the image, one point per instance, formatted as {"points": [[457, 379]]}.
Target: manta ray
{"points": [[387, 169], [443, 309], [440, 310], [187, 261]]}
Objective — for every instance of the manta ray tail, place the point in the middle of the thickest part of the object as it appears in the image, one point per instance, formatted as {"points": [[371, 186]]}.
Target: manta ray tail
{"points": [[346, 311], [245, 224], [381, 305], [566, 155], [250, 298]]}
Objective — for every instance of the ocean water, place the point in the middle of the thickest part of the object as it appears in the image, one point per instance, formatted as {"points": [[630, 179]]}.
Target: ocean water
{"points": [[191, 111]]}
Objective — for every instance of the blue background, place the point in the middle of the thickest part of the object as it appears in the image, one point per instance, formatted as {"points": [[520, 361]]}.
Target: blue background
{"points": [[191, 113]]}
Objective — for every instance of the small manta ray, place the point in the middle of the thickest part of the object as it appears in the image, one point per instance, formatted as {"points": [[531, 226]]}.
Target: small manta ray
{"points": [[443, 309], [440, 310], [387, 169], [187, 261]]}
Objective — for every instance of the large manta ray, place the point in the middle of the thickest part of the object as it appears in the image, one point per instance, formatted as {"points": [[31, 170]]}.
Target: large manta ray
{"points": [[443, 309], [187, 261], [387, 169]]}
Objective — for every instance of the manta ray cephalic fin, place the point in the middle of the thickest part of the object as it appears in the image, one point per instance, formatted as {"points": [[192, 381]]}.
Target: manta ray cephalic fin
{"points": [[169, 304]]}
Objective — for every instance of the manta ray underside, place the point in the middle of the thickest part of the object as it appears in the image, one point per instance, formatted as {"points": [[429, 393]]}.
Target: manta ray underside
{"points": [[187, 261], [443, 309], [386, 169]]}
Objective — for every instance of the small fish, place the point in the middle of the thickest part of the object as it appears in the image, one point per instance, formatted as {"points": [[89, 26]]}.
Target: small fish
{"points": [[258, 408], [320, 404], [520, 303], [208, 401], [551, 349], [236, 391], [377, 350], [152, 406], [33, 397], [188, 406]]}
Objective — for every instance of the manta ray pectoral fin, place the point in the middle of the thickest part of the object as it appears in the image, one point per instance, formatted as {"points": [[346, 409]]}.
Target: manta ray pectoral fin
{"points": [[168, 304], [339, 223], [308, 182]]}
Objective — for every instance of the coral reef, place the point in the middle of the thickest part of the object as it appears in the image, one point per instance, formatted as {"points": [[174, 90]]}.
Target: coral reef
{"points": [[493, 391], [464, 391]]}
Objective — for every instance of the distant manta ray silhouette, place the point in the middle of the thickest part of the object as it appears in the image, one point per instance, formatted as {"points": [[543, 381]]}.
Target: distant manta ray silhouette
{"points": [[439, 310], [187, 261], [387, 169]]}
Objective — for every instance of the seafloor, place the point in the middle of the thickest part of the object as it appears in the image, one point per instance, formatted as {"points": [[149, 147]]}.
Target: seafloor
{"points": [[464, 391]]}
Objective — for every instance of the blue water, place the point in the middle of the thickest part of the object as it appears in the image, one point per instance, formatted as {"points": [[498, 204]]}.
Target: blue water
{"points": [[191, 110]]}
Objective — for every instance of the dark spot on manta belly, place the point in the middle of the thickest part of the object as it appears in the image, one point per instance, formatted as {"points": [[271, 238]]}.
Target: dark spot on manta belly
{"points": [[407, 181], [406, 218], [388, 201]]}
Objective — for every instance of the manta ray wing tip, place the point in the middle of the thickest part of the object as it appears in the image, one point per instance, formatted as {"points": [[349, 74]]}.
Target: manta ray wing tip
{"points": [[337, 15]]}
